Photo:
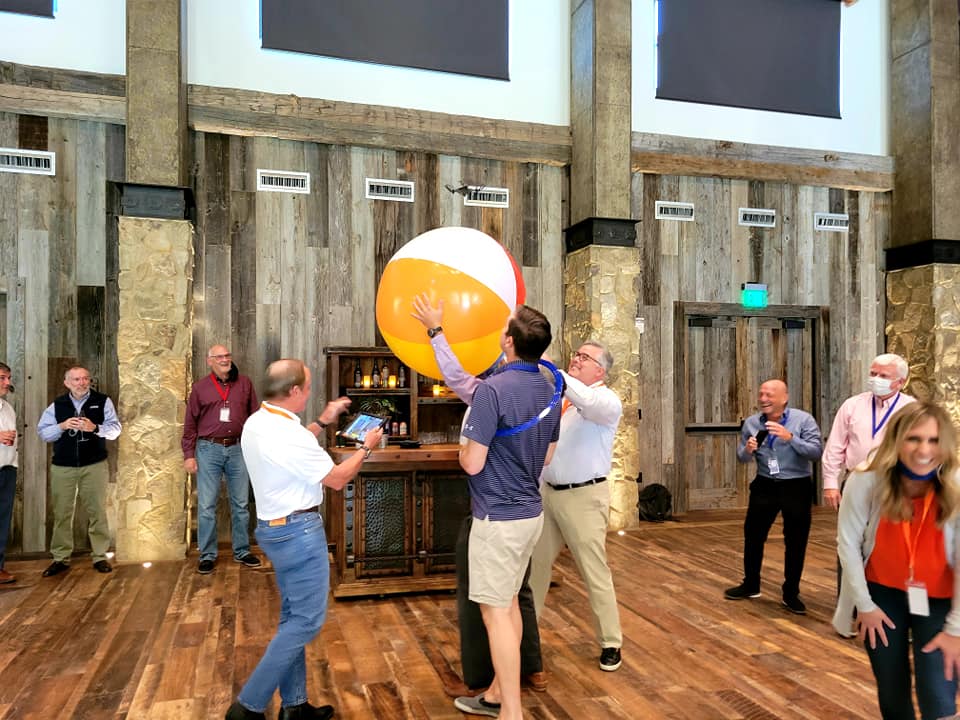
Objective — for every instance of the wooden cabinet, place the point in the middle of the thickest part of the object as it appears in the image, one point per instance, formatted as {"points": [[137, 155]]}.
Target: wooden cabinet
{"points": [[394, 528]]}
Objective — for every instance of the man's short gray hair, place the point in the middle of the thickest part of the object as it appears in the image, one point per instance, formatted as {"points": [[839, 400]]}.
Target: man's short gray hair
{"points": [[606, 357], [892, 359]]}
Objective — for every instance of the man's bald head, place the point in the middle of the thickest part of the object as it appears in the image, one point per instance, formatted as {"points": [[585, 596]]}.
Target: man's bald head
{"points": [[773, 398]]}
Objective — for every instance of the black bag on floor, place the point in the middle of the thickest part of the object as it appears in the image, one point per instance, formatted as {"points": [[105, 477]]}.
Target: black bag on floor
{"points": [[655, 503]]}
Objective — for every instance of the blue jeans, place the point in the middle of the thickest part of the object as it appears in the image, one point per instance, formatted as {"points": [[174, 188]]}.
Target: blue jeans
{"points": [[8, 490], [891, 664], [213, 462], [298, 552]]}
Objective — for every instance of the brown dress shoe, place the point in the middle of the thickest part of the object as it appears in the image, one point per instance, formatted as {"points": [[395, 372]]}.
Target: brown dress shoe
{"points": [[6, 578], [458, 689], [536, 681]]}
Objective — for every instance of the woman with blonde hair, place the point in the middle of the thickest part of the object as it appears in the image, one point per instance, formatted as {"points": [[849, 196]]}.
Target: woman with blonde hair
{"points": [[898, 538]]}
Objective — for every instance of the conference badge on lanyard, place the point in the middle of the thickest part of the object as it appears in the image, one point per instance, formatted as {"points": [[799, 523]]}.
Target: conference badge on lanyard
{"points": [[224, 394], [917, 599]]}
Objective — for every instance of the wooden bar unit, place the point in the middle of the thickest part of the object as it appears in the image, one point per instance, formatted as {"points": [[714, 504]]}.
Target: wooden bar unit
{"points": [[394, 528]]}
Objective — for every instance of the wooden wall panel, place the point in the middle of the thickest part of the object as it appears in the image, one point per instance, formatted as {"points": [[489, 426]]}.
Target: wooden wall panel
{"points": [[707, 261]]}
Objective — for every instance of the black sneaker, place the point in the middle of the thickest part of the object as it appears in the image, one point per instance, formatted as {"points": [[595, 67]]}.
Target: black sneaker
{"points": [[610, 659], [740, 592], [250, 560], [205, 567], [795, 605]]}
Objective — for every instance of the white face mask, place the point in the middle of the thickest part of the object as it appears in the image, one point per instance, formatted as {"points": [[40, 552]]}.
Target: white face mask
{"points": [[879, 386]]}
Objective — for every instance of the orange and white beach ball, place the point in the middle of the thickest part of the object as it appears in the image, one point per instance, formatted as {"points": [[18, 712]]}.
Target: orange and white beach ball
{"points": [[479, 283]]}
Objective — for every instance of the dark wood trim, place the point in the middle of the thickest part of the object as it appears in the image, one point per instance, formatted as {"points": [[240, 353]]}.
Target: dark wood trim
{"points": [[736, 310], [927, 252], [613, 232], [673, 155]]}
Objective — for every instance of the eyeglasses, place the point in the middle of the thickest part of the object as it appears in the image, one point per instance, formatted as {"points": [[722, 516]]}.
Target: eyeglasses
{"points": [[583, 356], [225, 356]]}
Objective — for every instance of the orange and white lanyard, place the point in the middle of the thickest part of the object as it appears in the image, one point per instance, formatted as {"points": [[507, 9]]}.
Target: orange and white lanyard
{"points": [[281, 413], [913, 541]]}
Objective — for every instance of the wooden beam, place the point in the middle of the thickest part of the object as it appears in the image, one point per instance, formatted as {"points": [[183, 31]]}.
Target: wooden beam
{"points": [[673, 155], [246, 112], [62, 103], [48, 78]]}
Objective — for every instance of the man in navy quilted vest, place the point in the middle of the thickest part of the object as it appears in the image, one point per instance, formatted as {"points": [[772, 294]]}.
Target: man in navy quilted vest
{"points": [[79, 423]]}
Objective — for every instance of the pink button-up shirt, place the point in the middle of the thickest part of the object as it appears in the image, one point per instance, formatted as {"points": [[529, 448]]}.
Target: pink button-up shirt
{"points": [[852, 435]]}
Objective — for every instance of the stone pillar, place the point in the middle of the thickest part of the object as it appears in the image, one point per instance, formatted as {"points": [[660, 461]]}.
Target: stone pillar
{"points": [[924, 107], [601, 301], [154, 337], [153, 344]]}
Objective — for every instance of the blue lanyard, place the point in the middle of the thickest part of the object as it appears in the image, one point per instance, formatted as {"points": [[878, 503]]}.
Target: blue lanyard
{"points": [[557, 394], [873, 412], [771, 438]]}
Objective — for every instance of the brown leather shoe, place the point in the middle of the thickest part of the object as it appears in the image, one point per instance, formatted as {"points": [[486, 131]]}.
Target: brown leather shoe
{"points": [[6, 578], [458, 689], [536, 681]]}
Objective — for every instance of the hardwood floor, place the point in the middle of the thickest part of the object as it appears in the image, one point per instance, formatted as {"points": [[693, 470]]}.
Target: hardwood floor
{"points": [[165, 642]]}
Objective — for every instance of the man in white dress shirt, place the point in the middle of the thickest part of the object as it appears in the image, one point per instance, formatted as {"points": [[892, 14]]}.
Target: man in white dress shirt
{"points": [[576, 496], [288, 470]]}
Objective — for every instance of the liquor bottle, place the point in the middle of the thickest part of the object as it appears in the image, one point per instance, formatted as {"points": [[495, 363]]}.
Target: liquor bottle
{"points": [[403, 427], [357, 375], [375, 376], [385, 374], [401, 377], [394, 428]]}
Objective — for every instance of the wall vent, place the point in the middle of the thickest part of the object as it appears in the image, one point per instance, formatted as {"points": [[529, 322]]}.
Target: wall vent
{"points": [[395, 190], [831, 222], [674, 211], [28, 162], [482, 196], [758, 217], [283, 181]]}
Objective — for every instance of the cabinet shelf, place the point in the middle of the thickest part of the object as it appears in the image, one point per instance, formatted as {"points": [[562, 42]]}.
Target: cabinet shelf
{"points": [[431, 400], [367, 392]]}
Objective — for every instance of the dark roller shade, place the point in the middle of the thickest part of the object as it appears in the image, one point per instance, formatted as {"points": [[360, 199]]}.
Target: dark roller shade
{"points": [[456, 36], [781, 55], [44, 8]]}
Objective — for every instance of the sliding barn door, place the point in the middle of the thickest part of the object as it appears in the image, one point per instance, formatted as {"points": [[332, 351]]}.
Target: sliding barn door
{"points": [[724, 356]]}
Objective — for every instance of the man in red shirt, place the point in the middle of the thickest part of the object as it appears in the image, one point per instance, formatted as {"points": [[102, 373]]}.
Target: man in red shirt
{"points": [[219, 405]]}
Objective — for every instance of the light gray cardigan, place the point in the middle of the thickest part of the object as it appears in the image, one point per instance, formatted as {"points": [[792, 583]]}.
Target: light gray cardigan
{"points": [[856, 535]]}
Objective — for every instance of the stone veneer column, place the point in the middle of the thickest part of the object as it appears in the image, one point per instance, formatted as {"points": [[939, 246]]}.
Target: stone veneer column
{"points": [[601, 300], [154, 346], [923, 325]]}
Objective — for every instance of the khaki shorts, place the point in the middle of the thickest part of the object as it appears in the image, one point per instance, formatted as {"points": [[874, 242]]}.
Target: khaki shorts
{"points": [[499, 552]]}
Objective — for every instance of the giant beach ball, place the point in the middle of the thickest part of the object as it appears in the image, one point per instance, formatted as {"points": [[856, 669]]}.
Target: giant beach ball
{"points": [[480, 285]]}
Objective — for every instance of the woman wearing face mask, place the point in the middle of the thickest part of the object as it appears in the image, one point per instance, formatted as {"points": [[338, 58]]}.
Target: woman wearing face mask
{"points": [[899, 540]]}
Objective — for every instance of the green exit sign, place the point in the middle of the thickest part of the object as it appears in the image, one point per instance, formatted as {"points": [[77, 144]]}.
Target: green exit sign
{"points": [[753, 295]]}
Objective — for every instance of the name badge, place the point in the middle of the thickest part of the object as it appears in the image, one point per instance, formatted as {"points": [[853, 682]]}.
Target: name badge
{"points": [[917, 599], [225, 414], [773, 466]]}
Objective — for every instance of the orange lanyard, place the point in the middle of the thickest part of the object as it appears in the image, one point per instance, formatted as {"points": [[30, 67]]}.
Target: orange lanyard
{"points": [[281, 413], [912, 542]]}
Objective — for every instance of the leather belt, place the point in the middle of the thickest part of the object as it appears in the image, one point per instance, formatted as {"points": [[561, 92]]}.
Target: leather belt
{"points": [[278, 522], [571, 486], [225, 441]]}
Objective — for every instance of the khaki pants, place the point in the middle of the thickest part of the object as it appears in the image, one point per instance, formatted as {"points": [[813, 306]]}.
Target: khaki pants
{"points": [[89, 484], [578, 517]]}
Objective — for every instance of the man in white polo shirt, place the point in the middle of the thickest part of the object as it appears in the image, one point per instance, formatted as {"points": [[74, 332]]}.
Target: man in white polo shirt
{"points": [[288, 470]]}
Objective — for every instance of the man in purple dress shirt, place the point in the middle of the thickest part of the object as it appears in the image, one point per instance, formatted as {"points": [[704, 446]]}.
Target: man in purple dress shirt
{"points": [[219, 405]]}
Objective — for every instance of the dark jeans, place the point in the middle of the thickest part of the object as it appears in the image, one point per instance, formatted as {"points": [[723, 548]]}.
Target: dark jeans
{"points": [[793, 498], [8, 491], [474, 643], [891, 664]]}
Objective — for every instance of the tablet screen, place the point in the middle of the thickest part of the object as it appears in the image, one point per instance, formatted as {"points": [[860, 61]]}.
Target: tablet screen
{"points": [[357, 430]]}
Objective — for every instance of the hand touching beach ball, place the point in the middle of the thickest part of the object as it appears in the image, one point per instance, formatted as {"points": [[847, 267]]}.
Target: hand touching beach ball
{"points": [[479, 283]]}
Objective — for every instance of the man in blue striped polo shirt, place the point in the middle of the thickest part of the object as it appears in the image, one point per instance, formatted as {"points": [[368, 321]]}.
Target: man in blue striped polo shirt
{"points": [[507, 446]]}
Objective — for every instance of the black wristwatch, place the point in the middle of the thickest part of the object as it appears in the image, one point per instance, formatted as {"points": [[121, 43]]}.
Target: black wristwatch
{"points": [[433, 332]]}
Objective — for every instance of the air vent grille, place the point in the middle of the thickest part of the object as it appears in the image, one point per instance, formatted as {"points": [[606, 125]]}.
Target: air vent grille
{"points": [[283, 181], [482, 196], [831, 222], [28, 162], [674, 211], [393, 190], [758, 217]]}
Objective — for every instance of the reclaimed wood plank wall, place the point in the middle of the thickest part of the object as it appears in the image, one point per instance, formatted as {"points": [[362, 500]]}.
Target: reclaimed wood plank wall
{"points": [[57, 284], [707, 260]]}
